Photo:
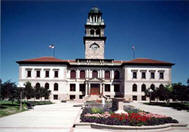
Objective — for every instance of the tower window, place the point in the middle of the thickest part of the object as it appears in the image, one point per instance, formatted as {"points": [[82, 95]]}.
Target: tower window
{"points": [[92, 32], [98, 32]]}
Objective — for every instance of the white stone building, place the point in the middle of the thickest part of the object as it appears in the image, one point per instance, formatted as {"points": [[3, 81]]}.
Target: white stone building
{"points": [[94, 75]]}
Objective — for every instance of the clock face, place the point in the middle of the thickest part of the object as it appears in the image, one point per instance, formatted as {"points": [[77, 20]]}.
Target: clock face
{"points": [[94, 46]]}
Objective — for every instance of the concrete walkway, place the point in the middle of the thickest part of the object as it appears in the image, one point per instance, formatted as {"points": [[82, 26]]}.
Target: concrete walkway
{"points": [[61, 117], [45, 118]]}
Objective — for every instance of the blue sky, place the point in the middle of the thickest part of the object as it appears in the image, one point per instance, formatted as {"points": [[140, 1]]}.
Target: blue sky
{"points": [[159, 30]]}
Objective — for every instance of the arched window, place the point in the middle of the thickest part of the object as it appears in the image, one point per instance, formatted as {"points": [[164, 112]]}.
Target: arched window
{"points": [[37, 85], [143, 87], [134, 87], [107, 74], [116, 75], [161, 86], [98, 32], [95, 74], [47, 85], [82, 74], [152, 87], [72, 74], [56, 87], [92, 32]]}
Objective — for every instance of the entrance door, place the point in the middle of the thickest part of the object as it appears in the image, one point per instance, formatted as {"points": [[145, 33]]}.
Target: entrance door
{"points": [[95, 89]]}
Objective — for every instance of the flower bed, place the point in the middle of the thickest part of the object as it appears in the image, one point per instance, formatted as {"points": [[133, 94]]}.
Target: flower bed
{"points": [[103, 116]]}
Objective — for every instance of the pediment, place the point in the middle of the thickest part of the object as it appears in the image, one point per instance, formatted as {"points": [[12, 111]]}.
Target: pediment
{"points": [[95, 80]]}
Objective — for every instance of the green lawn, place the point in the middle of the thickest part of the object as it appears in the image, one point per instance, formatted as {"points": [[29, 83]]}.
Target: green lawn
{"points": [[178, 106], [8, 108]]}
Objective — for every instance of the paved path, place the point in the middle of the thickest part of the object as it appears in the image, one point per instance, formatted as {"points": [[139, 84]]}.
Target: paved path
{"points": [[48, 118], [60, 118]]}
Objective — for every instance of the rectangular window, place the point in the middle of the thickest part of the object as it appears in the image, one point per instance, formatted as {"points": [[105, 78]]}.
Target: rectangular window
{"points": [[107, 87], [46, 73], [152, 75], [28, 73], [37, 73], [72, 97], [143, 75], [72, 87], [55, 97], [55, 73], [134, 75], [82, 87], [134, 97], [81, 96], [144, 98], [116, 88], [161, 75]]}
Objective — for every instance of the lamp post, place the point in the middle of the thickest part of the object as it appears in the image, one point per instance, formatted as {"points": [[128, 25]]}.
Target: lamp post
{"points": [[150, 91]]}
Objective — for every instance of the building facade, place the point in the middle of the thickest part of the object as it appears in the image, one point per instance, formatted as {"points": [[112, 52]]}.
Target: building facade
{"points": [[95, 75]]}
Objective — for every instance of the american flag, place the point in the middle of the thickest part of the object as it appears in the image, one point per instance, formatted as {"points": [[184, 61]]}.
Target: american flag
{"points": [[51, 46]]}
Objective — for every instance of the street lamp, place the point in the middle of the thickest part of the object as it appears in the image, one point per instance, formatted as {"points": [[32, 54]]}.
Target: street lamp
{"points": [[150, 91]]}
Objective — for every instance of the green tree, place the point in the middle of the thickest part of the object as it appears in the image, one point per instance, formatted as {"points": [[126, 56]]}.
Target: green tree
{"points": [[9, 90], [165, 93], [28, 90], [180, 92], [152, 94]]}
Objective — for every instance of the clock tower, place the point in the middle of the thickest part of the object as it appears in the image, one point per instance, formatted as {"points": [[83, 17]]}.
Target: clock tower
{"points": [[94, 39]]}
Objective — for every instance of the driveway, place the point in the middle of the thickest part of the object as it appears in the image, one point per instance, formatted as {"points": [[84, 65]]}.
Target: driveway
{"points": [[48, 118]]}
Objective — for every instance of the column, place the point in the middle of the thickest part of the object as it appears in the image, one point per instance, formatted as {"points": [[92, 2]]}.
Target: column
{"points": [[112, 74], [86, 89], [89, 88], [77, 90], [77, 73], [112, 90]]}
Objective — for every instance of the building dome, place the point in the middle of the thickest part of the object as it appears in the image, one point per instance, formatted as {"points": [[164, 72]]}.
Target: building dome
{"points": [[95, 10]]}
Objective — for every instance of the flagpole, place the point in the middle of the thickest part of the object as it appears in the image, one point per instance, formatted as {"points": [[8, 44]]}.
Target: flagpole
{"points": [[53, 49], [54, 52], [133, 48]]}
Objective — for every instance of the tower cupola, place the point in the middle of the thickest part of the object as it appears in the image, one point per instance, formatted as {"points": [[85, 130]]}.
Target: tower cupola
{"points": [[94, 39]]}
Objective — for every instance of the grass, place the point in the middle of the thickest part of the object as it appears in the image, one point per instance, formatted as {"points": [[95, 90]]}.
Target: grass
{"points": [[40, 102], [8, 108], [178, 106]]}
